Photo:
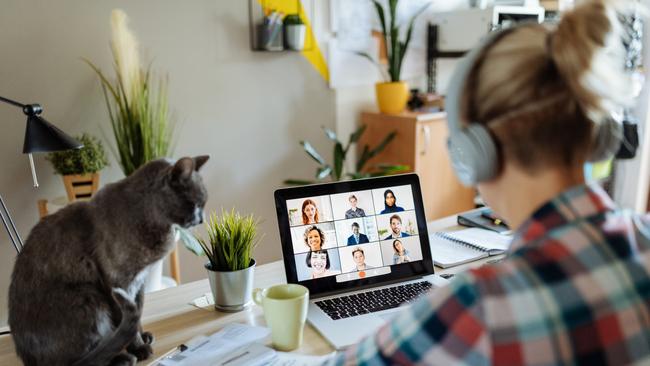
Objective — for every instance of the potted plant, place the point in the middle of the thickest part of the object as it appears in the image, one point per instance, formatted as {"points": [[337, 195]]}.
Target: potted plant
{"points": [[80, 167], [138, 110], [229, 248], [392, 94], [137, 106], [294, 32], [335, 172]]}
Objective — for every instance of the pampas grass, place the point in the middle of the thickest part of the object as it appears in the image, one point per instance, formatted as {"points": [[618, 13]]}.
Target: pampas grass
{"points": [[137, 106]]}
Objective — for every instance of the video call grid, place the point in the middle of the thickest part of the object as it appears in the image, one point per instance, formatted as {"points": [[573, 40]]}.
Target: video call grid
{"points": [[339, 245]]}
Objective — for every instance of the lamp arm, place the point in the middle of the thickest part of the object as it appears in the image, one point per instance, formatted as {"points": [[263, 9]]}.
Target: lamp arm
{"points": [[28, 109], [9, 225], [12, 102]]}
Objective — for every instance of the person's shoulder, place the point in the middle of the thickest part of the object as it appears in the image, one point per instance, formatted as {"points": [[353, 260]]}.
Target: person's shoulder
{"points": [[399, 209], [383, 211]]}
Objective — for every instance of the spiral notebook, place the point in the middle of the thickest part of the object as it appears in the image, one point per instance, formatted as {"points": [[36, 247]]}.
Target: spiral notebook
{"points": [[463, 246]]}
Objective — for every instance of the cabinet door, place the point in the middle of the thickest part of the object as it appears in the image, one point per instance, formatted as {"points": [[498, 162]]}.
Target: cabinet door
{"points": [[443, 194]]}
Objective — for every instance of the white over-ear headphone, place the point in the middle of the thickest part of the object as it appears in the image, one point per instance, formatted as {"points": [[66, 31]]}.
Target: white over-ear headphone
{"points": [[472, 149]]}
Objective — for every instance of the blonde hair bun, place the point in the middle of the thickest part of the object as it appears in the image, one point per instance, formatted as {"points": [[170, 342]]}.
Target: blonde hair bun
{"points": [[588, 50]]}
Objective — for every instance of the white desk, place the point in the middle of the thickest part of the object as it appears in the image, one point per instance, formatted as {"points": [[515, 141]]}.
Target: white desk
{"points": [[168, 315]]}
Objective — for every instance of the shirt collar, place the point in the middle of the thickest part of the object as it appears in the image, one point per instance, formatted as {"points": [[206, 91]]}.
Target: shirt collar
{"points": [[569, 206]]}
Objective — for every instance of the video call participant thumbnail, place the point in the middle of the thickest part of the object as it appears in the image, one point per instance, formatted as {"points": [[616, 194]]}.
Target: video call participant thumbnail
{"points": [[319, 262], [357, 237], [396, 228], [390, 203], [401, 254], [360, 260], [309, 212], [354, 211], [314, 238]]}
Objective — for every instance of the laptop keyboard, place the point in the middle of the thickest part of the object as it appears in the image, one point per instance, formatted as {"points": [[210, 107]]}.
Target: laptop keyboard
{"points": [[373, 301]]}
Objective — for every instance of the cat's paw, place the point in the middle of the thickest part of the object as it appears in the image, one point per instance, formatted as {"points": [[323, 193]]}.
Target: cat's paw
{"points": [[142, 352], [123, 359], [147, 338]]}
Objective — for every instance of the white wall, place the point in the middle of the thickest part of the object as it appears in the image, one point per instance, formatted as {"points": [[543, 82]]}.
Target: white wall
{"points": [[248, 110]]}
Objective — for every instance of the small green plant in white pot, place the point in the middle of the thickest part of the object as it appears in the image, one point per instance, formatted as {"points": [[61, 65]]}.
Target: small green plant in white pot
{"points": [[294, 32], [229, 248]]}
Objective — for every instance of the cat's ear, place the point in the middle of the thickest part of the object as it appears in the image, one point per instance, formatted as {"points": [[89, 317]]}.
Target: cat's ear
{"points": [[199, 161], [183, 169]]}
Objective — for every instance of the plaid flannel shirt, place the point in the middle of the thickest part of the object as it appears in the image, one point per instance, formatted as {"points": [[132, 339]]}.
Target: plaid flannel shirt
{"points": [[574, 290]]}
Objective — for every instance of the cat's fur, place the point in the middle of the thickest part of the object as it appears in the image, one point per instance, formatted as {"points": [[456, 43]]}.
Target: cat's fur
{"points": [[77, 287]]}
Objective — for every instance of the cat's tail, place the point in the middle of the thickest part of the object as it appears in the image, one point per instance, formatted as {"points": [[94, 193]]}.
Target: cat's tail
{"points": [[114, 343]]}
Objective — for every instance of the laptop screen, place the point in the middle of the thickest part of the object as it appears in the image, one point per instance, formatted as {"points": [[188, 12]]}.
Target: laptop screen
{"points": [[366, 232]]}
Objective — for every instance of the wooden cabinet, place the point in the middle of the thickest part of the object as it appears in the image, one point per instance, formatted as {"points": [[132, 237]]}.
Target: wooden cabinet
{"points": [[421, 143]]}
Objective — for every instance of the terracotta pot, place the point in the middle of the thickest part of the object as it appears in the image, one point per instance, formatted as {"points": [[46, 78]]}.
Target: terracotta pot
{"points": [[392, 97], [81, 186]]}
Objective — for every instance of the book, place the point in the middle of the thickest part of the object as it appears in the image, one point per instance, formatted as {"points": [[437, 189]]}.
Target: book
{"points": [[450, 249], [484, 218]]}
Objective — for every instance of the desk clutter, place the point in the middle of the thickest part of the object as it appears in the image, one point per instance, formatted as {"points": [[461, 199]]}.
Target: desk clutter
{"points": [[234, 345]]}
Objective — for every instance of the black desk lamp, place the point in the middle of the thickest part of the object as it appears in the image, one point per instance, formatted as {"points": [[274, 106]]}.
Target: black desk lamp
{"points": [[40, 136]]}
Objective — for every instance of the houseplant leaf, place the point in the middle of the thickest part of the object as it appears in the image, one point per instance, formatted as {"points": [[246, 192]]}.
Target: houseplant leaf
{"points": [[339, 156], [190, 242], [323, 172], [309, 149], [330, 134], [298, 182]]}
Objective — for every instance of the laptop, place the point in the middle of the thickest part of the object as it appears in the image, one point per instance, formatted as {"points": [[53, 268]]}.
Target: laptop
{"points": [[361, 247]]}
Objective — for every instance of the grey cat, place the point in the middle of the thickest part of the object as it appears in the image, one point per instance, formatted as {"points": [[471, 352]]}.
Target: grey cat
{"points": [[77, 287]]}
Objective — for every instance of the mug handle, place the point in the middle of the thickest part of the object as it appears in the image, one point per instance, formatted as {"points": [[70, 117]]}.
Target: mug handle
{"points": [[257, 296]]}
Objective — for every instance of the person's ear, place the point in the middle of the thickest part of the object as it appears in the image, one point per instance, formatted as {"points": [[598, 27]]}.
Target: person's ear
{"points": [[199, 161], [183, 169]]}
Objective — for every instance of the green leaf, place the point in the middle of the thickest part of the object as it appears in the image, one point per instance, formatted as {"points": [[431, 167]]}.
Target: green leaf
{"points": [[330, 134], [298, 182], [323, 172], [382, 21], [404, 46], [190, 242], [387, 169], [382, 145], [363, 158], [379, 66], [339, 157], [309, 149], [356, 135]]}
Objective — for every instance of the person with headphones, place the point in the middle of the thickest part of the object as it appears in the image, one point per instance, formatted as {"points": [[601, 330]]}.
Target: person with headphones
{"points": [[526, 110]]}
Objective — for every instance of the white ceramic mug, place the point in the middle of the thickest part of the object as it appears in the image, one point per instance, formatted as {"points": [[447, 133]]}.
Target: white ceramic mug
{"points": [[285, 311]]}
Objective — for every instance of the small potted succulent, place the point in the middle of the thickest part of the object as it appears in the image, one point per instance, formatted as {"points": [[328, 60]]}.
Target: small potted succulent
{"points": [[294, 32], [80, 168], [229, 248]]}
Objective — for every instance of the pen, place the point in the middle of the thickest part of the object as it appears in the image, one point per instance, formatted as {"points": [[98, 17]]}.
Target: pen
{"points": [[495, 220], [169, 354]]}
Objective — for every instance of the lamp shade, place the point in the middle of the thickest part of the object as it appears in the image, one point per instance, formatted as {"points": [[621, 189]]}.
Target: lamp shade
{"points": [[42, 136]]}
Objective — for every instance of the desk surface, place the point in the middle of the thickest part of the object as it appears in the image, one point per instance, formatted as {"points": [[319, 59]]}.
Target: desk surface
{"points": [[172, 320]]}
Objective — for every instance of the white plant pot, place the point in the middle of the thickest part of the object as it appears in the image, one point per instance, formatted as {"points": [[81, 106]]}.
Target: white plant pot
{"points": [[153, 282], [295, 36]]}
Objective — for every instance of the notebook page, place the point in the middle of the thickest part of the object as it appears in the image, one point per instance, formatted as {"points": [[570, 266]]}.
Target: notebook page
{"points": [[447, 253], [482, 238]]}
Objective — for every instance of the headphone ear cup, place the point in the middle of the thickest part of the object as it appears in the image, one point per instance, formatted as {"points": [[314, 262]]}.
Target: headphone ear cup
{"points": [[607, 141], [473, 154]]}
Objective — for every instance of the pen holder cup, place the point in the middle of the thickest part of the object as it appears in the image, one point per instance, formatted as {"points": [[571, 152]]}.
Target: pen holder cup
{"points": [[285, 311]]}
